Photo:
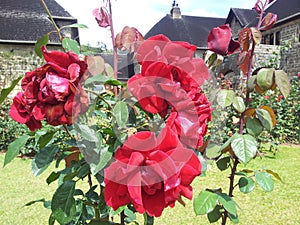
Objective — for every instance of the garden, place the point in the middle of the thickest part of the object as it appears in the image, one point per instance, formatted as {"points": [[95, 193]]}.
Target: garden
{"points": [[175, 144]]}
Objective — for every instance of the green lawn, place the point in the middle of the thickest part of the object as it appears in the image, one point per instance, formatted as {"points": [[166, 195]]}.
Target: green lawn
{"points": [[282, 206]]}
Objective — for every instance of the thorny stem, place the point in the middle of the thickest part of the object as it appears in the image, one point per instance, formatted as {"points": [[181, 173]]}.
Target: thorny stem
{"points": [[52, 20], [99, 96], [66, 129], [115, 61], [242, 120], [122, 218]]}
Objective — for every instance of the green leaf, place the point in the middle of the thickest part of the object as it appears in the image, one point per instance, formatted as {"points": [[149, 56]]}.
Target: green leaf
{"points": [[36, 170], [244, 147], [265, 78], [215, 215], [34, 201], [71, 45], [6, 91], [52, 177], [246, 184], [254, 126], [105, 157], [87, 133], [14, 148], [223, 163], [233, 218], [251, 83], [45, 156], [113, 82], [276, 175], [225, 97], [77, 25], [96, 79], [264, 180], [205, 202], [265, 118], [148, 220], [40, 42], [63, 203], [121, 113], [228, 203], [212, 151], [130, 215], [238, 104], [44, 139], [100, 222], [283, 83]]}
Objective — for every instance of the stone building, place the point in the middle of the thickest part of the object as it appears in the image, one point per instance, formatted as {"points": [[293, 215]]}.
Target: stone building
{"points": [[192, 29], [195, 30], [23, 22]]}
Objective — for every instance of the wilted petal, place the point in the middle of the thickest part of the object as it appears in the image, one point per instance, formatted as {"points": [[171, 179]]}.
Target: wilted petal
{"points": [[59, 85]]}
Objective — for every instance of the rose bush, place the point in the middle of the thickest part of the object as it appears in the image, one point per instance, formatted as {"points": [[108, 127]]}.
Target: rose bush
{"points": [[141, 139], [52, 92]]}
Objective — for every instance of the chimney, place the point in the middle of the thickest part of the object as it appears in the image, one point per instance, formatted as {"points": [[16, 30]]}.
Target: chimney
{"points": [[175, 11]]}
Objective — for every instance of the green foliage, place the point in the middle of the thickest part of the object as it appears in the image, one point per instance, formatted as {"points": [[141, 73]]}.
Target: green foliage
{"points": [[287, 129]]}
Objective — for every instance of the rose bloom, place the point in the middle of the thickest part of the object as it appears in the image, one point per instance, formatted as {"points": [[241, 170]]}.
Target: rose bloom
{"points": [[165, 64], [150, 173], [52, 92], [190, 117], [220, 41]]}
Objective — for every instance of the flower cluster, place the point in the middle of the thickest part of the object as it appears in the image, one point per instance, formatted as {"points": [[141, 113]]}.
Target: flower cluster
{"points": [[52, 92], [156, 171]]}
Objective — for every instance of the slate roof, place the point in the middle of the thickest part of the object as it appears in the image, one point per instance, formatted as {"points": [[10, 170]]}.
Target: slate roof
{"points": [[191, 29], [246, 17], [285, 9], [25, 21]]}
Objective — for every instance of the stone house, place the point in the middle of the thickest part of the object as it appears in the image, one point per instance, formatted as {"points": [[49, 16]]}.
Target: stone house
{"points": [[23, 22], [192, 29], [281, 42], [195, 30]]}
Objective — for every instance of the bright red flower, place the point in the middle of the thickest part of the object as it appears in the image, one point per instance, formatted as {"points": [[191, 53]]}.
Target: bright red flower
{"points": [[52, 92], [190, 117], [152, 178], [220, 41], [166, 67]]}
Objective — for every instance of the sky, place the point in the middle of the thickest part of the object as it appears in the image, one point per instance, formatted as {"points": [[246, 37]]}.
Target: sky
{"points": [[141, 14]]}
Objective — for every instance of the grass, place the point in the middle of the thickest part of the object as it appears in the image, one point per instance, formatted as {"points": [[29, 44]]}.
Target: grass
{"points": [[18, 186]]}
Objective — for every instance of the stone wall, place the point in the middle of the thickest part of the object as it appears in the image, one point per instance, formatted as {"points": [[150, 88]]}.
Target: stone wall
{"points": [[15, 60], [289, 35]]}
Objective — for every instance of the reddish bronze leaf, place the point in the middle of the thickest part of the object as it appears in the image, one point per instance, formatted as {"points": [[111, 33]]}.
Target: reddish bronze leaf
{"points": [[272, 114], [269, 21], [245, 38], [244, 61], [129, 39], [256, 35]]}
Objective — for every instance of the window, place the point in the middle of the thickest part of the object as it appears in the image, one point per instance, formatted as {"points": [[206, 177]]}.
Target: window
{"points": [[272, 39], [277, 38]]}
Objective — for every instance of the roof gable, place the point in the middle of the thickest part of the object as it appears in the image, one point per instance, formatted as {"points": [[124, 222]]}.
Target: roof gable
{"points": [[284, 8], [190, 29], [246, 17], [26, 20]]}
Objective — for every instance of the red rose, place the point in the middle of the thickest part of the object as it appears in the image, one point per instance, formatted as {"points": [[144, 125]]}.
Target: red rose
{"points": [[190, 117], [220, 41], [153, 178], [20, 111], [53, 91], [166, 67]]}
